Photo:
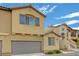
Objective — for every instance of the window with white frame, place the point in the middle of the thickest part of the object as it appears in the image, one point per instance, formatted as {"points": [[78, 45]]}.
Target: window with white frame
{"points": [[51, 41], [37, 21], [26, 20], [22, 19]]}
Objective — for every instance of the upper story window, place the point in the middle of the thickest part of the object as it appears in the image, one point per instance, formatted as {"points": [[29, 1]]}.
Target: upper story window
{"points": [[29, 20], [62, 34], [62, 29], [22, 19], [51, 41], [26, 20], [73, 34], [37, 22]]}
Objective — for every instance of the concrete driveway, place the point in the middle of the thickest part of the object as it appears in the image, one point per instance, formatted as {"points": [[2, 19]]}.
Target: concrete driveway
{"points": [[32, 54], [75, 52]]}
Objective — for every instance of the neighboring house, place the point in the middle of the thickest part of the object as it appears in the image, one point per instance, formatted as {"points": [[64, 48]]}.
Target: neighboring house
{"points": [[69, 36], [22, 31], [52, 40], [77, 37]]}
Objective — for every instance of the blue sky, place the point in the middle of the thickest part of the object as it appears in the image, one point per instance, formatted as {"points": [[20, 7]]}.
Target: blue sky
{"points": [[56, 13]]}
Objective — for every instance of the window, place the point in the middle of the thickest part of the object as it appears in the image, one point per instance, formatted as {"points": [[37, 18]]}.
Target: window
{"points": [[22, 19], [31, 20], [73, 34], [62, 29], [26, 20], [37, 22], [62, 34], [51, 41]]}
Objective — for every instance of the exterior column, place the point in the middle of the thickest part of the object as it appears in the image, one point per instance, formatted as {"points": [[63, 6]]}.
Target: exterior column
{"points": [[76, 35], [6, 45], [78, 42], [69, 35]]}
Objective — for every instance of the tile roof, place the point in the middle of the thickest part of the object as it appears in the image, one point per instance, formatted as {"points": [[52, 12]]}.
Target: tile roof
{"points": [[4, 8], [14, 8], [49, 30]]}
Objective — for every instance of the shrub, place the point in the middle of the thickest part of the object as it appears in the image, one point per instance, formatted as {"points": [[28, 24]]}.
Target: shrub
{"points": [[53, 52], [49, 52], [56, 51]]}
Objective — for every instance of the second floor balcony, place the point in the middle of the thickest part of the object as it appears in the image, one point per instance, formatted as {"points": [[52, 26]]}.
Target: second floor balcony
{"points": [[73, 34]]}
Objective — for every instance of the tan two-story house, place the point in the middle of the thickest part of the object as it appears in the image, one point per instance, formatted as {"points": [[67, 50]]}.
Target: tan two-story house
{"points": [[69, 36], [22, 31]]}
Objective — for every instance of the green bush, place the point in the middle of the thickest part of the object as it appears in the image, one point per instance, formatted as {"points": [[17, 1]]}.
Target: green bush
{"points": [[56, 51], [49, 52], [53, 52]]}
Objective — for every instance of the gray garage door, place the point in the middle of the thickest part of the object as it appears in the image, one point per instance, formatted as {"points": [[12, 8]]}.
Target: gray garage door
{"points": [[0, 47], [26, 47]]}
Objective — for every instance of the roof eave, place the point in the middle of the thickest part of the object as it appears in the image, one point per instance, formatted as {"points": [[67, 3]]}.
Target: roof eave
{"points": [[5, 8], [52, 32], [27, 7]]}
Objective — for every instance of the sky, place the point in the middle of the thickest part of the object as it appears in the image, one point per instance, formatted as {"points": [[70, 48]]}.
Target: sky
{"points": [[56, 13]]}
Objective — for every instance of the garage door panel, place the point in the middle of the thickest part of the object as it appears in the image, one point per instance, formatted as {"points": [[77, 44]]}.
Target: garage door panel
{"points": [[26, 47]]}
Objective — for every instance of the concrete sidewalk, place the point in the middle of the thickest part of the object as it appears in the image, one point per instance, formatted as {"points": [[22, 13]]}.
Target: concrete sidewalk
{"points": [[73, 52], [32, 54]]}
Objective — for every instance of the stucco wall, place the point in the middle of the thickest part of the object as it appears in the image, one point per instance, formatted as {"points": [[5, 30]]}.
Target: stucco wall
{"points": [[78, 42], [6, 44], [5, 21], [19, 28], [56, 46], [7, 39]]}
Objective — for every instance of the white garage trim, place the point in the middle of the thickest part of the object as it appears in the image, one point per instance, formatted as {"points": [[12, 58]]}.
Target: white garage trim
{"points": [[24, 47]]}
